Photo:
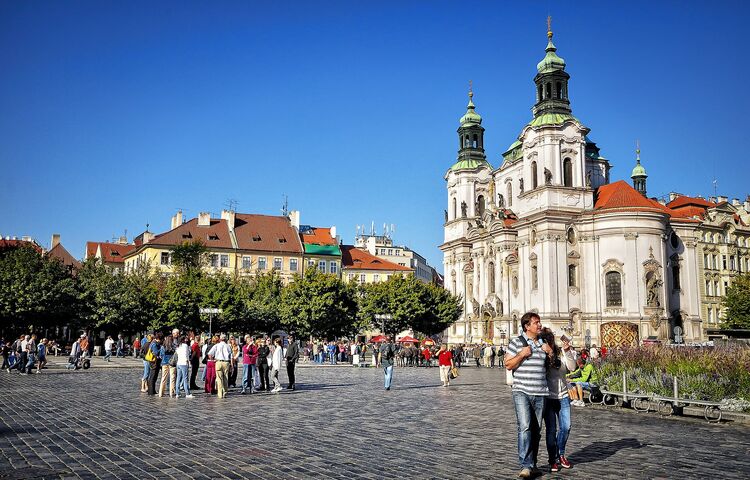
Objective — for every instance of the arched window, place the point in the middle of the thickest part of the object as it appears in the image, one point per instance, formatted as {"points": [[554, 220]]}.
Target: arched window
{"points": [[510, 194], [533, 175], [613, 283], [572, 276], [548, 92], [491, 278], [558, 90], [541, 94], [567, 172], [455, 209], [480, 205], [475, 142], [676, 276]]}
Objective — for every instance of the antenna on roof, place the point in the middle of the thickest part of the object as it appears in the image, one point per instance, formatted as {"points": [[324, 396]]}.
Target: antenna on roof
{"points": [[285, 206], [147, 226], [372, 228], [232, 204], [716, 184], [358, 230]]}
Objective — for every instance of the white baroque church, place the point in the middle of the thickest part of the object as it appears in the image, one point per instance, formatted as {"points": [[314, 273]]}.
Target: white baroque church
{"points": [[547, 231]]}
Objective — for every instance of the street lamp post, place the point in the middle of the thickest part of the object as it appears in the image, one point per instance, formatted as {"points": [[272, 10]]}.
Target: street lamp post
{"points": [[210, 312]]}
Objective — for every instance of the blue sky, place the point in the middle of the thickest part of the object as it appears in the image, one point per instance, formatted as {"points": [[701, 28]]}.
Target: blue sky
{"points": [[115, 114]]}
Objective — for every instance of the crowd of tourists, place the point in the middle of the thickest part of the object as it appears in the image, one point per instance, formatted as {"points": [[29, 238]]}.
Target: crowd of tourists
{"points": [[26, 354], [174, 362]]}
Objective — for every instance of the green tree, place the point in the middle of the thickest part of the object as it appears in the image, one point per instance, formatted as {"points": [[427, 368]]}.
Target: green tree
{"points": [[399, 296], [190, 257], [225, 292], [319, 304], [35, 291], [737, 303], [261, 296], [443, 309], [181, 298]]}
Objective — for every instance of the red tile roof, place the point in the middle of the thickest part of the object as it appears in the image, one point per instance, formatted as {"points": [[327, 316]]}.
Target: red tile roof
{"points": [[352, 258], [318, 236], [10, 244], [267, 233], [111, 252], [214, 235], [59, 252], [621, 196], [684, 200]]}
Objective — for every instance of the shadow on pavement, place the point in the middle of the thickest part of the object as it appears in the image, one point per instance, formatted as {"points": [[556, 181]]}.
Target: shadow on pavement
{"points": [[602, 450]]}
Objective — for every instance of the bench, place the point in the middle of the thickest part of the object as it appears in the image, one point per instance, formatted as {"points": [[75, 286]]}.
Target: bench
{"points": [[666, 406]]}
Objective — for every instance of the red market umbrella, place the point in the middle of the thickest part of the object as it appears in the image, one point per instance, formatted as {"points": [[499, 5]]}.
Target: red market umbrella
{"points": [[378, 339], [408, 339], [428, 341]]}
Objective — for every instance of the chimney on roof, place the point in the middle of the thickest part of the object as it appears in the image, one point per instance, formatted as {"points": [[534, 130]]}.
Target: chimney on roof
{"points": [[123, 240], [736, 202], [55, 240], [229, 216], [294, 218], [204, 219], [148, 236], [662, 201], [333, 233], [721, 198], [712, 199], [177, 219], [673, 196]]}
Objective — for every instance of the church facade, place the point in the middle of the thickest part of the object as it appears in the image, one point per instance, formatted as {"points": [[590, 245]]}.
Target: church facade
{"points": [[548, 231]]}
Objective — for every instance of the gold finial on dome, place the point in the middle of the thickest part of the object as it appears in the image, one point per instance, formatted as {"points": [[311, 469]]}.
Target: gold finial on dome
{"points": [[549, 26], [471, 91], [638, 151]]}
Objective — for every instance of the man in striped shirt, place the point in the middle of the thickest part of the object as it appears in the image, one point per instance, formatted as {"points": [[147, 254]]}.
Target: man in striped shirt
{"points": [[526, 358]]}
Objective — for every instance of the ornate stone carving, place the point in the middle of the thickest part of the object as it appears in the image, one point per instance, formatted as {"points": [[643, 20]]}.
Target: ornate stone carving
{"points": [[547, 176]]}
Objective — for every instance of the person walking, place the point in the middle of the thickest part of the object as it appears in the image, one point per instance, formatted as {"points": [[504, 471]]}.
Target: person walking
{"points": [[264, 351], [22, 354], [445, 363], [276, 360], [108, 343], [292, 356], [41, 352], [5, 348], [30, 355], [120, 346], [168, 370], [526, 358], [75, 352], [154, 352], [137, 347], [209, 373], [386, 354], [183, 361], [557, 408], [222, 354], [236, 357]]}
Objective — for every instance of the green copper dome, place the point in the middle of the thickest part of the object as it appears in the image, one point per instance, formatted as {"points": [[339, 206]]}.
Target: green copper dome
{"points": [[469, 164], [471, 117], [552, 119], [639, 171], [551, 61]]}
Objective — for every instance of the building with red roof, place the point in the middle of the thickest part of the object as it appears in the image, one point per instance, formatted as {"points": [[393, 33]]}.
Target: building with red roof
{"points": [[361, 266], [548, 230], [321, 246]]}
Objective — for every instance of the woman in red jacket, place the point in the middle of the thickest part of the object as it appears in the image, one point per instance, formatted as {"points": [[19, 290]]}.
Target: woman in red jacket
{"points": [[445, 361]]}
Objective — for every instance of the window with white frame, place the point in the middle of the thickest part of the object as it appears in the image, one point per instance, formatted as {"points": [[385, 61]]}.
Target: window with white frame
{"points": [[247, 262], [213, 260], [224, 259], [351, 277], [292, 264], [261, 263], [333, 267], [310, 262], [322, 266], [166, 258], [362, 278], [277, 263]]}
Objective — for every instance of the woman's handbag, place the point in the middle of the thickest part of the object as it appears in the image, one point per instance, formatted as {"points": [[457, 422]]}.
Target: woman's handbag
{"points": [[453, 373]]}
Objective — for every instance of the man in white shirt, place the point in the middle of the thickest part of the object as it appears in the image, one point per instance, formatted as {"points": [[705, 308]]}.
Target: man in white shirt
{"points": [[222, 353], [108, 343]]}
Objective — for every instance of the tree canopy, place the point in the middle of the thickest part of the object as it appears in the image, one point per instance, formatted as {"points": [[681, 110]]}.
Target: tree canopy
{"points": [[737, 303]]}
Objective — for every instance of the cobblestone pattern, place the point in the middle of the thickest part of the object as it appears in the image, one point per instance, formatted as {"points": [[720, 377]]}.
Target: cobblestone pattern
{"points": [[340, 423]]}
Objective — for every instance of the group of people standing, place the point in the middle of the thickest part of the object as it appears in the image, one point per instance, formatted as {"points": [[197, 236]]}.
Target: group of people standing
{"points": [[178, 359], [24, 354]]}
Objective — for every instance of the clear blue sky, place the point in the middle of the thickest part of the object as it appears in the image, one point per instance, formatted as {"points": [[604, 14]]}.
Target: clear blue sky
{"points": [[116, 114]]}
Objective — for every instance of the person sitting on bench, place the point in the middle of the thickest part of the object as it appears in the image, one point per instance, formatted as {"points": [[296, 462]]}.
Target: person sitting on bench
{"points": [[583, 378]]}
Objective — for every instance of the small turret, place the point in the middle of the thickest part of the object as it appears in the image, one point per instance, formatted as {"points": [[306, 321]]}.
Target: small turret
{"points": [[639, 173]]}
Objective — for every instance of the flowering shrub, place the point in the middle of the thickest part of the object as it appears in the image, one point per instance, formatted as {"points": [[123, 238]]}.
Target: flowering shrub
{"points": [[708, 373]]}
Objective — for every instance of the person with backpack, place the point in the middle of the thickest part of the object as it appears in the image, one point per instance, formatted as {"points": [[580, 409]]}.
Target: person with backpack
{"points": [[264, 350], [527, 359], [386, 354], [145, 345]]}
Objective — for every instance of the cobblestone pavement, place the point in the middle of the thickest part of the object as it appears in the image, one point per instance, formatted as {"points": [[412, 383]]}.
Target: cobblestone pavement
{"points": [[340, 423]]}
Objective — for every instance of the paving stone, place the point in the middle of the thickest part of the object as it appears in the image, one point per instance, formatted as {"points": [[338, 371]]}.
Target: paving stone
{"points": [[340, 423]]}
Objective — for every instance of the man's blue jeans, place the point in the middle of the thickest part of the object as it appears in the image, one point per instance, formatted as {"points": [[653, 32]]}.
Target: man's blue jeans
{"points": [[107, 355], [529, 412], [388, 371], [249, 372], [557, 420], [183, 380]]}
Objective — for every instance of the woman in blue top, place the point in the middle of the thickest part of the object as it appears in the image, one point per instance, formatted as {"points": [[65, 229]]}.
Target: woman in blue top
{"points": [[41, 352], [154, 368]]}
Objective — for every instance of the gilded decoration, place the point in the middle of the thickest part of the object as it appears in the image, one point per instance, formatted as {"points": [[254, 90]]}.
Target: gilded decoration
{"points": [[619, 334]]}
